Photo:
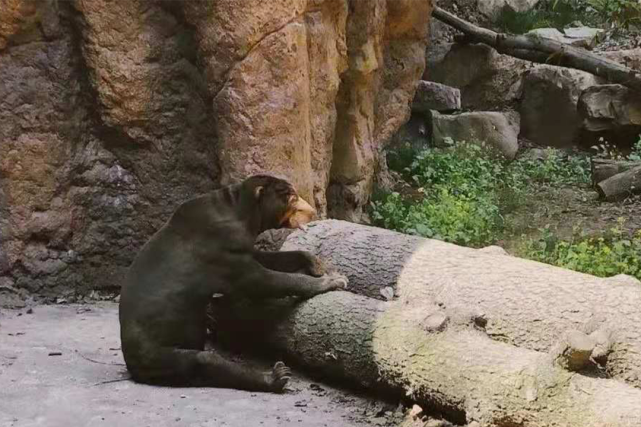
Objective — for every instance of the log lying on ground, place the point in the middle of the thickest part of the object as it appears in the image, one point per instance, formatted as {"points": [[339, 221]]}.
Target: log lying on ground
{"points": [[545, 51], [439, 356], [603, 169], [621, 185], [519, 302]]}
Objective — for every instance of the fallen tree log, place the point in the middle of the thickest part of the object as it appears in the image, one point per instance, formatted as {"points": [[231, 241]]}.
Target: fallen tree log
{"points": [[544, 50], [520, 302], [446, 365], [440, 355], [621, 185], [603, 169]]}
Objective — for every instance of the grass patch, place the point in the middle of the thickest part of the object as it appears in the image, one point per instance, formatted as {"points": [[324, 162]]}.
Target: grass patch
{"points": [[604, 256], [466, 191]]}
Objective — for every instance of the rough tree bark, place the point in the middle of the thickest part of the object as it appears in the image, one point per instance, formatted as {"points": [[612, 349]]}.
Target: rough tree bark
{"points": [[523, 303], [545, 51], [480, 336]]}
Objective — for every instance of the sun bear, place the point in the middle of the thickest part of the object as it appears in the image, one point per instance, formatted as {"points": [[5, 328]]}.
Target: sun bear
{"points": [[207, 247]]}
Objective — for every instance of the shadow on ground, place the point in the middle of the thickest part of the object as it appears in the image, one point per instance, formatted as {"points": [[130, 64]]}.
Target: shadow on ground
{"points": [[62, 366]]}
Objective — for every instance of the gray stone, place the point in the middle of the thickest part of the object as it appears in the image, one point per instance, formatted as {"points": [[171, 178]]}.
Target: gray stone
{"points": [[492, 83], [415, 133], [607, 107], [492, 8], [548, 106], [583, 36], [436, 96], [498, 130], [10, 296], [611, 112], [548, 33]]}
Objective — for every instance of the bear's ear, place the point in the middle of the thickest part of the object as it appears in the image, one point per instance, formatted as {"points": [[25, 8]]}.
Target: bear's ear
{"points": [[258, 191], [292, 199]]}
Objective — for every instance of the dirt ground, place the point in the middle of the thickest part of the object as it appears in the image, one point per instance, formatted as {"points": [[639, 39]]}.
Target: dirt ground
{"points": [[566, 210], [61, 365]]}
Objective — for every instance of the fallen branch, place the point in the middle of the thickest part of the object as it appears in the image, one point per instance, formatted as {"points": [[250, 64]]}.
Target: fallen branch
{"points": [[544, 50]]}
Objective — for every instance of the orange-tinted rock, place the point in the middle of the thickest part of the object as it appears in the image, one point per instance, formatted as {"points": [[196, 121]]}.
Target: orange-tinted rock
{"points": [[114, 112]]}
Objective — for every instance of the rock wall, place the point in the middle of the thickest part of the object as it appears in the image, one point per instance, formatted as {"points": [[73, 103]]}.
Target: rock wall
{"points": [[112, 113]]}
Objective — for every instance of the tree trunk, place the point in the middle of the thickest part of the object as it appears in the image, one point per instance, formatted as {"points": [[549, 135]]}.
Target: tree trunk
{"points": [[621, 185], [545, 51], [603, 169], [433, 344], [523, 303]]}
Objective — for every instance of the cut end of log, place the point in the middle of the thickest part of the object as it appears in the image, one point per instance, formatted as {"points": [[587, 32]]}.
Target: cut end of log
{"points": [[621, 185]]}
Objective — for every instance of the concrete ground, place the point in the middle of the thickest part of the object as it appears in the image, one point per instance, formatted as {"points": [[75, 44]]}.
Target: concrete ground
{"points": [[62, 366]]}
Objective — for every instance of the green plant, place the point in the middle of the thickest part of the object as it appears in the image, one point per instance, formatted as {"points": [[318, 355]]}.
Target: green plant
{"points": [[554, 168], [635, 154], [618, 13], [468, 188], [603, 256], [444, 216], [465, 168], [401, 157], [607, 151], [461, 199], [513, 22], [550, 13]]}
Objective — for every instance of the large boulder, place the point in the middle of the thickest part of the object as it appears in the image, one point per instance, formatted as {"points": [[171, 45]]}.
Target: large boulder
{"points": [[612, 112], [495, 129], [436, 96], [610, 106], [586, 37], [492, 8], [487, 79], [485, 11], [548, 106], [113, 113]]}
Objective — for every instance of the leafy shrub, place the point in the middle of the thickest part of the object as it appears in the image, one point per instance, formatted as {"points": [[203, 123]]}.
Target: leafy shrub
{"points": [[555, 168], [551, 13], [617, 13], [465, 168], [453, 218], [513, 22], [602, 256], [400, 158], [468, 188]]}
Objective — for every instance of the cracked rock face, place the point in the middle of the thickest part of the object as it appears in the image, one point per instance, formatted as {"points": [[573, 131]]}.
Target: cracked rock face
{"points": [[113, 113]]}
